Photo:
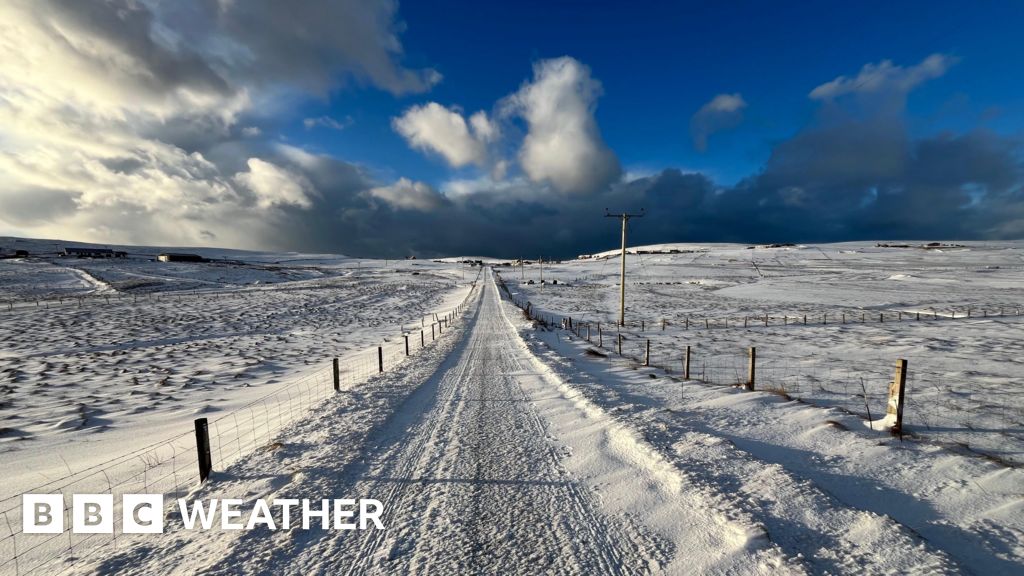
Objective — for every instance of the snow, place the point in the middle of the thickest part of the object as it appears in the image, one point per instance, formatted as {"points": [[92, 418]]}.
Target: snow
{"points": [[965, 375], [82, 382], [510, 447]]}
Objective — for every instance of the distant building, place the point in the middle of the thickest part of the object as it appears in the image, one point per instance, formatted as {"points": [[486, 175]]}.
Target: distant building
{"points": [[87, 253], [179, 257]]}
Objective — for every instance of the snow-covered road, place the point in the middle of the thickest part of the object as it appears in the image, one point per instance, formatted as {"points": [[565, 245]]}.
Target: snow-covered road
{"points": [[478, 480]]}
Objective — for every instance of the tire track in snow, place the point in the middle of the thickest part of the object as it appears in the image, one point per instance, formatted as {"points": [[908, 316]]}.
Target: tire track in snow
{"points": [[476, 483]]}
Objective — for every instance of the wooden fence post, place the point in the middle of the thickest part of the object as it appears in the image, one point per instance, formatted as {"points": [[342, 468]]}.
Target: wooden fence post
{"points": [[203, 449], [380, 358], [337, 375], [752, 370], [647, 354], [588, 331], [896, 395], [620, 343], [406, 344], [423, 340], [686, 364], [687, 322], [432, 337], [642, 326], [662, 324]]}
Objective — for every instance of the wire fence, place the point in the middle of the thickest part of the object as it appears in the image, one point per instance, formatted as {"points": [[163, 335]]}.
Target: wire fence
{"points": [[170, 467], [945, 401], [678, 322]]}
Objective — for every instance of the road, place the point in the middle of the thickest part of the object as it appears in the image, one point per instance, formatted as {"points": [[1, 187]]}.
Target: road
{"points": [[490, 468]]}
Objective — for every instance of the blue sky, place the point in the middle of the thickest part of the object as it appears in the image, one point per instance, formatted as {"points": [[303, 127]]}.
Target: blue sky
{"points": [[660, 62], [383, 129]]}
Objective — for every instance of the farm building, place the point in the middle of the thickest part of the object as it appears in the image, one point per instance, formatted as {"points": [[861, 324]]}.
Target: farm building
{"points": [[179, 257], [77, 252]]}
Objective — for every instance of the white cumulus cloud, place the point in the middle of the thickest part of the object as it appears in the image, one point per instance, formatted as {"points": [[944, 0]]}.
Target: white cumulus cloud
{"points": [[885, 77], [722, 112], [563, 145], [434, 128]]}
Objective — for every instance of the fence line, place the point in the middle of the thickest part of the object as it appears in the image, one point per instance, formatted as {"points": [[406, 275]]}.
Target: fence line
{"points": [[171, 467], [936, 407]]}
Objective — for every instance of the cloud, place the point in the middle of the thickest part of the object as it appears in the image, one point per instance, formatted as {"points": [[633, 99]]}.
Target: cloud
{"points": [[274, 186], [139, 121], [432, 127], [408, 195], [722, 112], [327, 122], [885, 78], [563, 145]]}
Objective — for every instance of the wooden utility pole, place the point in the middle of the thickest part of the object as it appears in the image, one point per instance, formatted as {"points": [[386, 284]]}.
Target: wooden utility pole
{"points": [[622, 275]]}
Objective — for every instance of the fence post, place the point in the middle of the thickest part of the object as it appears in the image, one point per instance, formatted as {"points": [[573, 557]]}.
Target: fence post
{"points": [[752, 371], [896, 395], [686, 364], [706, 324], [881, 317], [337, 375], [643, 327], [805, 319], [380, 358], [647, 354], [203, 449], [662, 324], [423, 341], [824, 319], [620, 344], [687, 322], [588, 331], [765, 320], [406, 344], [432, 337]]}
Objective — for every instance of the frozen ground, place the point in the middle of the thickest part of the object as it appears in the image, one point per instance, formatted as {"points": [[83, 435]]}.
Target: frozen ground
{"points": [[79, 383], [510, 450], [966, 380]]}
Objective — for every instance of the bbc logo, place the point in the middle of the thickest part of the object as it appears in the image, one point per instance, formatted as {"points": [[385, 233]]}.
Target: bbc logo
{"points": [[92, 513]]}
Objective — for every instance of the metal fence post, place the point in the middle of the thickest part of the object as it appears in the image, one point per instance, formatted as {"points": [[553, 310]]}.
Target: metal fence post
{"points": [[337, 375]]}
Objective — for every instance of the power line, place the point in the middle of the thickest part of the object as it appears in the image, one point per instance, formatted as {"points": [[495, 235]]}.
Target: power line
{"points": [[622, 279]]}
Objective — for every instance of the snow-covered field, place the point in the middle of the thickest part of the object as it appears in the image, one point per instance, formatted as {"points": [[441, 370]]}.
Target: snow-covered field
{"points": [[515, 448], [966, 375], [80, 383]]}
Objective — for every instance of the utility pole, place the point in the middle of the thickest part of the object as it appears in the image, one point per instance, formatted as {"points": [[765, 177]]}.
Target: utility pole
{"points": [[622, 276]]}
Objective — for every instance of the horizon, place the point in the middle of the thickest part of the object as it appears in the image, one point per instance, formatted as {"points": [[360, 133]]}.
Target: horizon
{"points": [[914, 243], [368, 127]]}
